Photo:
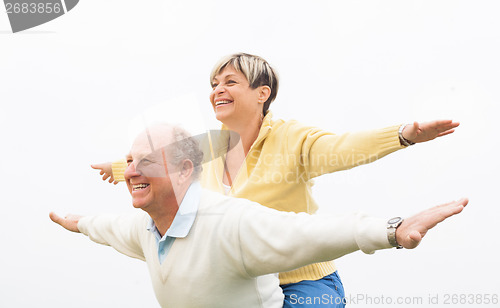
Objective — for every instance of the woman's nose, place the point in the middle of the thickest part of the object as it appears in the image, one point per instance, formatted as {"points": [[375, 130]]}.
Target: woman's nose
{"points": [[219, 89]]}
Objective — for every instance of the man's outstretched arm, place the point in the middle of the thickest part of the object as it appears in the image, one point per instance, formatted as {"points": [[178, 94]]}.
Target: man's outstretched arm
{"points": [[273, 241], [122, 232]]}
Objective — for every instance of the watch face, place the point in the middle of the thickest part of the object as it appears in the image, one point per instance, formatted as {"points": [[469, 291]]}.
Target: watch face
{"points": [[394, 220]]}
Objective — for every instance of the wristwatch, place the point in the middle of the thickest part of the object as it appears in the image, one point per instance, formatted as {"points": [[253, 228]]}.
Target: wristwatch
{"points": [[392, 225], [402, 139]]}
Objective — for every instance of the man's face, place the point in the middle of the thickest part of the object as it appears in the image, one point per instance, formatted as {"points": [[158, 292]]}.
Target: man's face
{"points": [[147, 175]]}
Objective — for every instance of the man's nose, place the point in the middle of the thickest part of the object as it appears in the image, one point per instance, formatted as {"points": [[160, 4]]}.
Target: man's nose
{"points": [[130, 171]]}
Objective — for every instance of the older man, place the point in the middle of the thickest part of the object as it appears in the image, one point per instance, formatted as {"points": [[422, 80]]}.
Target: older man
{"points": [[204, 249]]}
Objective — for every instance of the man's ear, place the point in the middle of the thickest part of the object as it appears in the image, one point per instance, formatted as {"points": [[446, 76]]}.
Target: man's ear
{"points": [[185, 171], [264, 93]]}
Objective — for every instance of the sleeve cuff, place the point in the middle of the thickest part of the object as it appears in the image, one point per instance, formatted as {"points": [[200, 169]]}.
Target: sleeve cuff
{"points": [[82, 225], [118, 167], [371, 235], [389, 139]]}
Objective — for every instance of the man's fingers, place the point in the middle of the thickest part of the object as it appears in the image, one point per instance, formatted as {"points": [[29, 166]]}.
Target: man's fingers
{"points": [[458, 206], [445, 211], [415, 238], [461, 202], [454, 207], [55, 218], [416, 226], [453, 124], [69, 222]]}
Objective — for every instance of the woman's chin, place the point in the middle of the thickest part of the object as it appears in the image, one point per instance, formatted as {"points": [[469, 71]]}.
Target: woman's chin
{"points": [[221, 115]]}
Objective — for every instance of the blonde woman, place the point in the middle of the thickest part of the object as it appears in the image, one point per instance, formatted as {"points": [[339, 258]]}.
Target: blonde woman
{"points": [[275, 160]]}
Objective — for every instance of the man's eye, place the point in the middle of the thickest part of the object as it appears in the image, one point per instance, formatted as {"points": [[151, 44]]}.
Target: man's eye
{"points": [[129, 161]]}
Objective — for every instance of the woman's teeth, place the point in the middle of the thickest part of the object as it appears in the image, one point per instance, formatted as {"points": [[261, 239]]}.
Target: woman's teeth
{"points": [[222, 103]]}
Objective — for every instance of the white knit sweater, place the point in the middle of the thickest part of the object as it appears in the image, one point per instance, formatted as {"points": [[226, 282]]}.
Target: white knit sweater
{"points": [[232, 243]]}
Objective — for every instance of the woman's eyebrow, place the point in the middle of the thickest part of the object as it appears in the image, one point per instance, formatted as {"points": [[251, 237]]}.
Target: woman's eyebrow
{"points": [[226, 76]]}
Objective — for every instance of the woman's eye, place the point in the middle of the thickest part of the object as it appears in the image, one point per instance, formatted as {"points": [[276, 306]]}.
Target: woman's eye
{"points": [[231, 81], [214, 85]]}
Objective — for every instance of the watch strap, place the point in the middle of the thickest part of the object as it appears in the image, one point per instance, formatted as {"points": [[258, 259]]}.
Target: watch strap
{"points": [[402, 139], [392, 225]]}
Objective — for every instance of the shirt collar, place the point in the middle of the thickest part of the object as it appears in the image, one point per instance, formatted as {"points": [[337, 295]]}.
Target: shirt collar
{"points": [[185, 216], [266, 126]]}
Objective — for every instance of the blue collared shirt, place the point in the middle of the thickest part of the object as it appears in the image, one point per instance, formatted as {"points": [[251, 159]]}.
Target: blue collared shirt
{"points": [[182, 223]]}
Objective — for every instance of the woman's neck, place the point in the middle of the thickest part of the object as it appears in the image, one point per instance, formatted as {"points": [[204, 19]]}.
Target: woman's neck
{"points": [[248, 133]]}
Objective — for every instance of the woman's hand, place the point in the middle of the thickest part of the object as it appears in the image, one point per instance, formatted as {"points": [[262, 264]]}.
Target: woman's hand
{"points": [[106, 172], [422, 132]]}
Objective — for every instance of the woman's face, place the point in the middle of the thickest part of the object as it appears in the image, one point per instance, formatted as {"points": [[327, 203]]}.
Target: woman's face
{"points": [[232, 98]]}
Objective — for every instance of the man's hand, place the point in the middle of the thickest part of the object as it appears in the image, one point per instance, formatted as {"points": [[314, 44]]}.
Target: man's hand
{"points": [[422, 132], [106, 171], [69, 222], [410, 233]]}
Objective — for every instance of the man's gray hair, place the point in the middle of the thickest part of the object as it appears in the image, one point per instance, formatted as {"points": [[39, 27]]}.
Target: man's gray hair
{"points": [[185, 147]]}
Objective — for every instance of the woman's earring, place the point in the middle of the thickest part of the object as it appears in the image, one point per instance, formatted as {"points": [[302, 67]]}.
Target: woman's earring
{"points": [[261, 113]]}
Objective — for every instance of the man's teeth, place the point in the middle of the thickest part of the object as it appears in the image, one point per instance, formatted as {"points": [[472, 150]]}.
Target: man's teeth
{"points": [[139, 186], [222, 102]]}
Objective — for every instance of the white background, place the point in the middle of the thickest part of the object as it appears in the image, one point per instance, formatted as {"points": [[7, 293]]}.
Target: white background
{"points": [[71, 89]]}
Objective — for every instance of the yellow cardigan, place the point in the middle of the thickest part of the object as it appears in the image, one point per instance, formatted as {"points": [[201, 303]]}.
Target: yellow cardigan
{"points": [[278, 169]]}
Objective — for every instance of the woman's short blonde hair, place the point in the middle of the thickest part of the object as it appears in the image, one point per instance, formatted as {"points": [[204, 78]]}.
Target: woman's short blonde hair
{"points": [[257, 71]]}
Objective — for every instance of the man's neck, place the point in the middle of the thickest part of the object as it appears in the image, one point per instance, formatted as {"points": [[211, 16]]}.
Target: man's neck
{"points": [[165, 214]]}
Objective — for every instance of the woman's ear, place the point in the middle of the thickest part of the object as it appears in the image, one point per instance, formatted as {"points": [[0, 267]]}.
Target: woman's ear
{"points": [[264, 93]]}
